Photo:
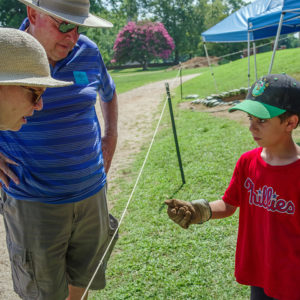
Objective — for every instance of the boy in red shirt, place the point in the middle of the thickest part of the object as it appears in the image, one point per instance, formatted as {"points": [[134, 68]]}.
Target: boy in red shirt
{"points": [[266, 187]]}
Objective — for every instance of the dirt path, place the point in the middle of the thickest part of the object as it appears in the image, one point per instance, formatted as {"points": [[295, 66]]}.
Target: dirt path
{"points": [[136, 111]]}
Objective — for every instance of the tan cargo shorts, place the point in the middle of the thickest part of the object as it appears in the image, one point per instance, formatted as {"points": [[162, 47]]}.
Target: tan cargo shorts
{"points": [[53, 245]]}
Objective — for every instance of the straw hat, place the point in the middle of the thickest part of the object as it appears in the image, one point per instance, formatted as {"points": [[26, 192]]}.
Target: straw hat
{"points": [[71, 11], [23, 61]]}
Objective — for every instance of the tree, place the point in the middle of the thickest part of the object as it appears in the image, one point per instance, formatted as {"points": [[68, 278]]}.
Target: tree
{"points": [[96, 6], [105, 37], [130, 8], [12, 13], [184, 20], [216, 12], [120, 12], [234, 5], [142, 42]]}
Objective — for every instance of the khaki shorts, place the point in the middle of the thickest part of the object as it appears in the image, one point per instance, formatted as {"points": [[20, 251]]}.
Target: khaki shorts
{"points": [[53, 245]]}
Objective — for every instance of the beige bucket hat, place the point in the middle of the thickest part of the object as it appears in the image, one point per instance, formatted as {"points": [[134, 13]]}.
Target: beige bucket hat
{"points": [[23, 61], [71, 11]]}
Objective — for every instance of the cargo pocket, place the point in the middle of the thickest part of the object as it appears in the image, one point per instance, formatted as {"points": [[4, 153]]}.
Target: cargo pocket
{"points": [[113, 225], [100, 283], [1, 206], [22, 272], [2, 201]]}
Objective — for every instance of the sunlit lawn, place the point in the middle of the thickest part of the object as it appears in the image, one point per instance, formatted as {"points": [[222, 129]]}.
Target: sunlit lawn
{"points": [[154, 258]]}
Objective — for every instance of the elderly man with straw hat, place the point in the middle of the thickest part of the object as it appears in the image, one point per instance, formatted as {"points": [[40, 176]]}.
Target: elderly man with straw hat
{"points": [[24, 75], [54, 200]]}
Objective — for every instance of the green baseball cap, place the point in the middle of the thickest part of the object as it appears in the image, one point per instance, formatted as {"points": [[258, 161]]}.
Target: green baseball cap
{"points": [[271, 96]]}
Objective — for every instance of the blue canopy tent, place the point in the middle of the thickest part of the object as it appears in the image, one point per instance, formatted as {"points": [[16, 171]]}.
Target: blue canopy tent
{"points": [[291, 5], [253, 22], [235, 27], [273, 24]]}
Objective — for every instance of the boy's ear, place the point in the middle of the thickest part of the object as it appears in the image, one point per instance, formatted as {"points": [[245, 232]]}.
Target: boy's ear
{"points": [[292, 122]]}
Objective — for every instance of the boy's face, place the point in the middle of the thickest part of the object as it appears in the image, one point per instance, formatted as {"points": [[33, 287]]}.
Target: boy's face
{"points": [[268, 132]]}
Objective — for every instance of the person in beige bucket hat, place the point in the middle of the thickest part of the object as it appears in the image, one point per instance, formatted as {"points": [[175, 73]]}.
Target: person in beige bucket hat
{"points": [[24, 75], [53, 195]]}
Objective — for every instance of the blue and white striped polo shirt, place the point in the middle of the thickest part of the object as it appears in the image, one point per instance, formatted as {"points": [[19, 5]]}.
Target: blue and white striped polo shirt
{"points": [[59, 149]]}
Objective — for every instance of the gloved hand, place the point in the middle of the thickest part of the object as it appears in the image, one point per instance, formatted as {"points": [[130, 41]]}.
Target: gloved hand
{"points": [[185, 213]]}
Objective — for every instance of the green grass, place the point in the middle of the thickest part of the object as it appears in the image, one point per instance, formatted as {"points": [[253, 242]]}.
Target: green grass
{"points": [[128, 79], [228, 76], [156, 259], [235, 74]]}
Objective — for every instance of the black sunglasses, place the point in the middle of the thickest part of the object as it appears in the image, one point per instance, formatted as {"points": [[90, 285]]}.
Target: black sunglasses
{"points": [[36, 96], [65, 27]]}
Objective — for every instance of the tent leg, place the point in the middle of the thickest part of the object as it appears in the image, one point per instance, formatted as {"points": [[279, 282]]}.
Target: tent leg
{"points": [[248, 59], [276, 42], [211, 68], [254, 53]]}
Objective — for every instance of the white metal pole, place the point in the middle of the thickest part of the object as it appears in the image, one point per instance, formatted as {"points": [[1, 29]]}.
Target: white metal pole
{"points": [[276, 42], [254, 53], [210, 66], [248, 59]]}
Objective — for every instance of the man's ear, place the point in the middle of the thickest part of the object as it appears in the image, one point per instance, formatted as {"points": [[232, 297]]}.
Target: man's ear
{"points": [[32, 15], [292, 122]]}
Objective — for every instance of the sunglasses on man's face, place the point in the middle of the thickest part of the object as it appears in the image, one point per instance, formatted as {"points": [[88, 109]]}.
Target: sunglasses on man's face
{"points": [[65, 27], [36, 95]]}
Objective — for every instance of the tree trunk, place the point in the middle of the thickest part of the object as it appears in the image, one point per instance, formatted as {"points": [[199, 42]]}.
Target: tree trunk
{"points": [[176, 59], [145, 65]]}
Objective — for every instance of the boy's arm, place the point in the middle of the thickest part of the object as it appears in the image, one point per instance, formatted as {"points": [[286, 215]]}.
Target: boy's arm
{"points": [[221, 209], [185, 213]]}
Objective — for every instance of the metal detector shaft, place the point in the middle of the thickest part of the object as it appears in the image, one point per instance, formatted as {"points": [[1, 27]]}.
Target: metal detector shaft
{"points": [[175, 133]]}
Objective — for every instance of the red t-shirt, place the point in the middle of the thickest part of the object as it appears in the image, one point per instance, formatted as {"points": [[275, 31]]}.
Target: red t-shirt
{"points": [[268, 244]]}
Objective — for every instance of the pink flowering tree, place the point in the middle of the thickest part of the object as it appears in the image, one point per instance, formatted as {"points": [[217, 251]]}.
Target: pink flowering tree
{"points": [[142, 42]]}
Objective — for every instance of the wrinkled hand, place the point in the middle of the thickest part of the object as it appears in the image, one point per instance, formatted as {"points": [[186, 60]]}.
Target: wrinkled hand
{"points": [[5, 172], [185, 213], [109, 143]]}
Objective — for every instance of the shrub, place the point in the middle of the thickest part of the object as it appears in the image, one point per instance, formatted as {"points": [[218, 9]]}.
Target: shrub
{"points": [[142, 42]]}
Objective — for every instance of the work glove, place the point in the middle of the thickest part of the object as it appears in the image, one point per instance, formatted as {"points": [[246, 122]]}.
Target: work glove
{"points": [[185, 213]]}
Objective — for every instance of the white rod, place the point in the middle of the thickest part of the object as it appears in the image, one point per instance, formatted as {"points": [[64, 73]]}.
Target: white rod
{"points": [[254, 53], [210, 66], [276, 42], [248, 59]]}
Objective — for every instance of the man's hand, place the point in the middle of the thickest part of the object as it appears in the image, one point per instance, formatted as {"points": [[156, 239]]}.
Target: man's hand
{"points": [[109, 143], [5, 172], [185, 213]]}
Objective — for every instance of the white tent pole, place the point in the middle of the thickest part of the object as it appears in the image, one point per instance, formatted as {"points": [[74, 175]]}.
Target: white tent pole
{"points": [[276, 42], [254, 53], [210, 66], [268, 4], [248, 59]]}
